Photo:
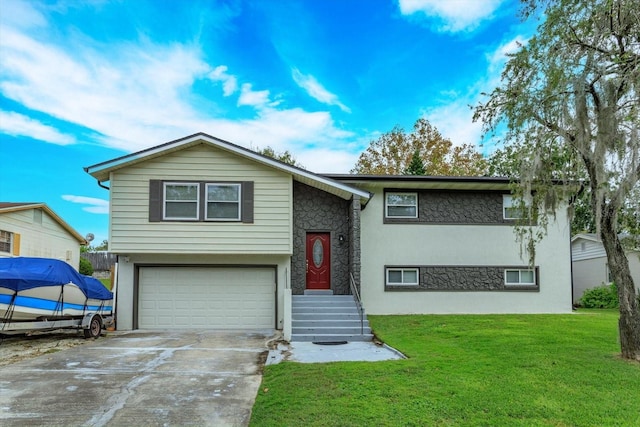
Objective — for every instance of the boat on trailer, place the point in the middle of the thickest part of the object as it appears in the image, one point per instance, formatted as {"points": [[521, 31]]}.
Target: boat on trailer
{"points": [[44, 293]]}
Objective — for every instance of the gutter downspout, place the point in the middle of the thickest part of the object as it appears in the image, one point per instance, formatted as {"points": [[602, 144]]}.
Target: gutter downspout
{"points": [[100, 184]]}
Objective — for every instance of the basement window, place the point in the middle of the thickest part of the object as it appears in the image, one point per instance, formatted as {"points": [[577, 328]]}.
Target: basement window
{"points": [[520, 277], [402, 276]]}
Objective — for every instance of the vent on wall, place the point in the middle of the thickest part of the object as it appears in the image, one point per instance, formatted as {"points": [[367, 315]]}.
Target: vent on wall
{"points": [[69, 255], [37, 216]]}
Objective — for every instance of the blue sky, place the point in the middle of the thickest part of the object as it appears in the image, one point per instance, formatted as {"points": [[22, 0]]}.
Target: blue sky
{"points": [[82, 82]]}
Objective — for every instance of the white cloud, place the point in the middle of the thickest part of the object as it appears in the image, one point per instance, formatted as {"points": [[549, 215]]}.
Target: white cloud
{"points": [[96, 206], [136, 95], [328, 161], [316, 90], [22, 14], [285, 130], [229, 82], [253, 98], [19, 125], [455, 15], [499, 57], [454, 120]]}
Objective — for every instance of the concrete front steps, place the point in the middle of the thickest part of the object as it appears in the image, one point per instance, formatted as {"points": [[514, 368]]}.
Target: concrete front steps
{"points": [[324, 317]]}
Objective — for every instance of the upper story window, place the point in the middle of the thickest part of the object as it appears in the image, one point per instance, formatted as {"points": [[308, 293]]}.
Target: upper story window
{"points": [[401, 205], [520, 277], [181, 200], [223, 202], [512, 208], [6, 238], [201, 201]]}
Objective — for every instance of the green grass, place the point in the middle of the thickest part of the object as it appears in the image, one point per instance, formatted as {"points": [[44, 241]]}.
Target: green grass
{"points": [[106, 283], [494, 370]]}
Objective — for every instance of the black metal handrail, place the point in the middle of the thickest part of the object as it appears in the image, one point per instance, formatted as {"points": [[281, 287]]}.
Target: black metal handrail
{"points": [[358, 301]]}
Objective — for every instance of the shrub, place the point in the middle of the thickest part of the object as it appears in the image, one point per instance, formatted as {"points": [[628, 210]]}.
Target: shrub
{"points": [[85, 267], [605, 296]]}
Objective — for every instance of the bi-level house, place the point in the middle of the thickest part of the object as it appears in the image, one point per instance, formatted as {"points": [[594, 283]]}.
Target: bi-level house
{"points": [[211, 235]]}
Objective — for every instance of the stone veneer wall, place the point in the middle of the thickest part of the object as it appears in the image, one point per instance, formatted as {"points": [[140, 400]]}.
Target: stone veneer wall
{"points": [[464, 278], [456, 207], [318, 211], [354, 241]]}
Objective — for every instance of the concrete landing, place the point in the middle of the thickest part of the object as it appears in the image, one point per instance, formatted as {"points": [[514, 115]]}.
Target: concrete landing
{"points": [[307, 352]]}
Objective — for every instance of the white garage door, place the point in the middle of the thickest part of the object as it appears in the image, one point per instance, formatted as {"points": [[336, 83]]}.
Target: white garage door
{"points": [[201, 297]]}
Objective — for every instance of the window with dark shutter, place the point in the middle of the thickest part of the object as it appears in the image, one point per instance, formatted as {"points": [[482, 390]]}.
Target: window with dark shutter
{"points": [[200, 201]]}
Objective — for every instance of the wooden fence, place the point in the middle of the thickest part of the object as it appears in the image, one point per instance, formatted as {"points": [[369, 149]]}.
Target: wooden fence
{"points": [[101, 261]]}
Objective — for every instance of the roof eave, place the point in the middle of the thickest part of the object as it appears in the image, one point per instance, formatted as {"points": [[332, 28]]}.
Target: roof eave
{"points": [[102, 171]]}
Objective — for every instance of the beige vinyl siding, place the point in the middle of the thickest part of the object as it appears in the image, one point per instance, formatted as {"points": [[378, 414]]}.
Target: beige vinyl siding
{"points": [[46, 240], [131, 231]]}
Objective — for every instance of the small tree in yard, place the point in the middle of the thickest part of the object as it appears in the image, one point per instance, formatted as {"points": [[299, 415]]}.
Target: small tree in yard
{"points": [[85, 267], [416, 166], [575, 88]]}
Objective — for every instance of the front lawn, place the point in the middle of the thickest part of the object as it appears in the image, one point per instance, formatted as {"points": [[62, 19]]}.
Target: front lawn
{"points": [[512, 370], [106, 283]]}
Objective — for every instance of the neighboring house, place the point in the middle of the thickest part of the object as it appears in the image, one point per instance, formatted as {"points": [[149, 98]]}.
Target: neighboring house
{"points": [[34, 230], [210, 234], [590, 266]]}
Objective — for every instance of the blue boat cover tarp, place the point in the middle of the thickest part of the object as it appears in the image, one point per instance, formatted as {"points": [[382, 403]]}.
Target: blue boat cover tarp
{"points": [[22, 273]]}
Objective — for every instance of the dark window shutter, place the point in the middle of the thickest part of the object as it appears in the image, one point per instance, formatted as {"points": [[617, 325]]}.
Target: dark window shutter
{"points": [[247, 201], [202, 214], [155, 200]]}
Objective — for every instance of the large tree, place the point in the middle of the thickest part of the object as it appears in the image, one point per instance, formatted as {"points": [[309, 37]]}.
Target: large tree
{"points": [[284, 157], [576, 85], [392, 154], [512, 161]]}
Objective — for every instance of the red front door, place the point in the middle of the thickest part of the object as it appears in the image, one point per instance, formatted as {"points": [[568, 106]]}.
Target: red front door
{"points": [[318, 261]]}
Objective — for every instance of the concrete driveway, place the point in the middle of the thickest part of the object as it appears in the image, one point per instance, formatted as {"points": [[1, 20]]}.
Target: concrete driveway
{"points": [[203, 378]]}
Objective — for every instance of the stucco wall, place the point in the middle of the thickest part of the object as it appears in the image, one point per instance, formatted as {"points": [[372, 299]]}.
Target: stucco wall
{"points": [[317, 211], [460, 245]]}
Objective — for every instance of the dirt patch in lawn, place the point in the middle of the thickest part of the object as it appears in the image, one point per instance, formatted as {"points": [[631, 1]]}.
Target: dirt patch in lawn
{"points": [[14, 348]]}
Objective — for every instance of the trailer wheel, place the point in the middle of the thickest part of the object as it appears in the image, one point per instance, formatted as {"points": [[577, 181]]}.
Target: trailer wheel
{"points": [[94, 329]]}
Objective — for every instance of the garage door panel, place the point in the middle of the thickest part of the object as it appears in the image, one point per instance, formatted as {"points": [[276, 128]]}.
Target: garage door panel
{"points": [[201, 297]]}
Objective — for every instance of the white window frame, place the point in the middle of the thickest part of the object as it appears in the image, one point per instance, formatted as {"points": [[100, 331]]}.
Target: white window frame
{"points": [[207, 201], [511, 205], [520, 271], [164, 201], [387, 205], [6, 237], [402, 270]]}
